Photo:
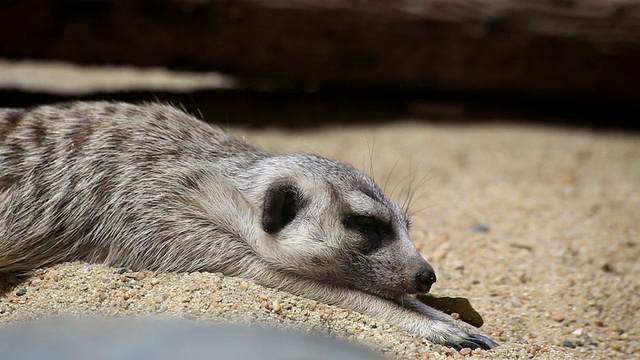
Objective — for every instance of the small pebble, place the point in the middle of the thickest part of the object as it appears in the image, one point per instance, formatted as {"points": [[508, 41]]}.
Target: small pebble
{"points": [[465, 351], [455, 315], [276, 306], [135, 276], [557, 318], [577, 332], [479, 228], [160, 298], [21, 292], [521, 246], [568, 344], [609, 268]]}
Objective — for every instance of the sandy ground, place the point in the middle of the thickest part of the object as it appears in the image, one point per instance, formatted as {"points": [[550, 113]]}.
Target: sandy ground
{"points": [[539, 227]]}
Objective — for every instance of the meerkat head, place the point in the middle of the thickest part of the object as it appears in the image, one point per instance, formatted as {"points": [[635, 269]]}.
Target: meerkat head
{"points": [[327, 221]]}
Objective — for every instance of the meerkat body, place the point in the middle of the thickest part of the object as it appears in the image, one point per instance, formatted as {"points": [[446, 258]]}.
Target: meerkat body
{"points": [[150, 187]]}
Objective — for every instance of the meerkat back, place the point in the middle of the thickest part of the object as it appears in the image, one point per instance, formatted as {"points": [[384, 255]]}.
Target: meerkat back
{"points": [[78, 180]]}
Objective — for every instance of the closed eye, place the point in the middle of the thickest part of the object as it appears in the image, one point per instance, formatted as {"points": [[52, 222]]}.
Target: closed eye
{"points": [[374, 230]]}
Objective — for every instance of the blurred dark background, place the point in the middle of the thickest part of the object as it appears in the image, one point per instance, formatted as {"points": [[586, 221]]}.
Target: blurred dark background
{"points": [[545, 61]]}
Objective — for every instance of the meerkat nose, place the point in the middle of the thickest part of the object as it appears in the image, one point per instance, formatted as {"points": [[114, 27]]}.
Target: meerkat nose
{"points": [[424, 279]]}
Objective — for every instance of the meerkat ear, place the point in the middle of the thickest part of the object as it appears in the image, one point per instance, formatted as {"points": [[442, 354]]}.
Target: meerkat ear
{"points": [[281, 205]]}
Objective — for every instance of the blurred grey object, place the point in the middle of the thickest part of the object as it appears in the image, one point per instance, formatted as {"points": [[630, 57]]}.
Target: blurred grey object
{"points": [[140, 339]]}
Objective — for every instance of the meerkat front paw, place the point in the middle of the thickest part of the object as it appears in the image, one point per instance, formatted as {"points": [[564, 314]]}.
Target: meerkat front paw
{"points": [[462, 335], [441, 328], [456, 334]]}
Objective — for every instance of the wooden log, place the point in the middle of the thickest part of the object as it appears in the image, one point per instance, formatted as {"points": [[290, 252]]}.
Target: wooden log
{"points": [[554, 48]]}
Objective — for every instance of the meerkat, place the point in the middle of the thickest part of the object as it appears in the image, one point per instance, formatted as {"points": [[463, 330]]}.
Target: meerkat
{"points": [[152, 187]]}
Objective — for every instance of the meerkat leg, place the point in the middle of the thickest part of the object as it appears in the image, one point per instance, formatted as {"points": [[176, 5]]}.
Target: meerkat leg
{"points": [[411, 315], [427, 322]]}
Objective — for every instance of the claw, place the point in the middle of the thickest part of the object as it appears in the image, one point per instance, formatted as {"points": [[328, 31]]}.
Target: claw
{"points": [[473, 342], [453, 345], [469, 344], [484, 342]]}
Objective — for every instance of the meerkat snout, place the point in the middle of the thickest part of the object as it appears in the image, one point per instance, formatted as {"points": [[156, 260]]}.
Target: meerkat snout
{"points": [[424, 279], [420, 275]]}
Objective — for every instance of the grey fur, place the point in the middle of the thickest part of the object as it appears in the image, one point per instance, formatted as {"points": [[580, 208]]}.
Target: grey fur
{"points": [[151, 187]]}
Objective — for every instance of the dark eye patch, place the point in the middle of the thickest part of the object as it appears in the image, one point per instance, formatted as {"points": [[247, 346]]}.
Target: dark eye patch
{"points": [[375, 230], [281, 205]]}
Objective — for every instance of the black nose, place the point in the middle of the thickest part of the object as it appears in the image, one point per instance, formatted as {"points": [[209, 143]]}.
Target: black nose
{"points": [[424, 279]]}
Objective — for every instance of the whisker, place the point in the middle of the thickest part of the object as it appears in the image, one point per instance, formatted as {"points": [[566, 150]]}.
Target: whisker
{"points": [[386, 182], [398, 184], [410, 181], [408, 188], [420, 184], [413, 213]]}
